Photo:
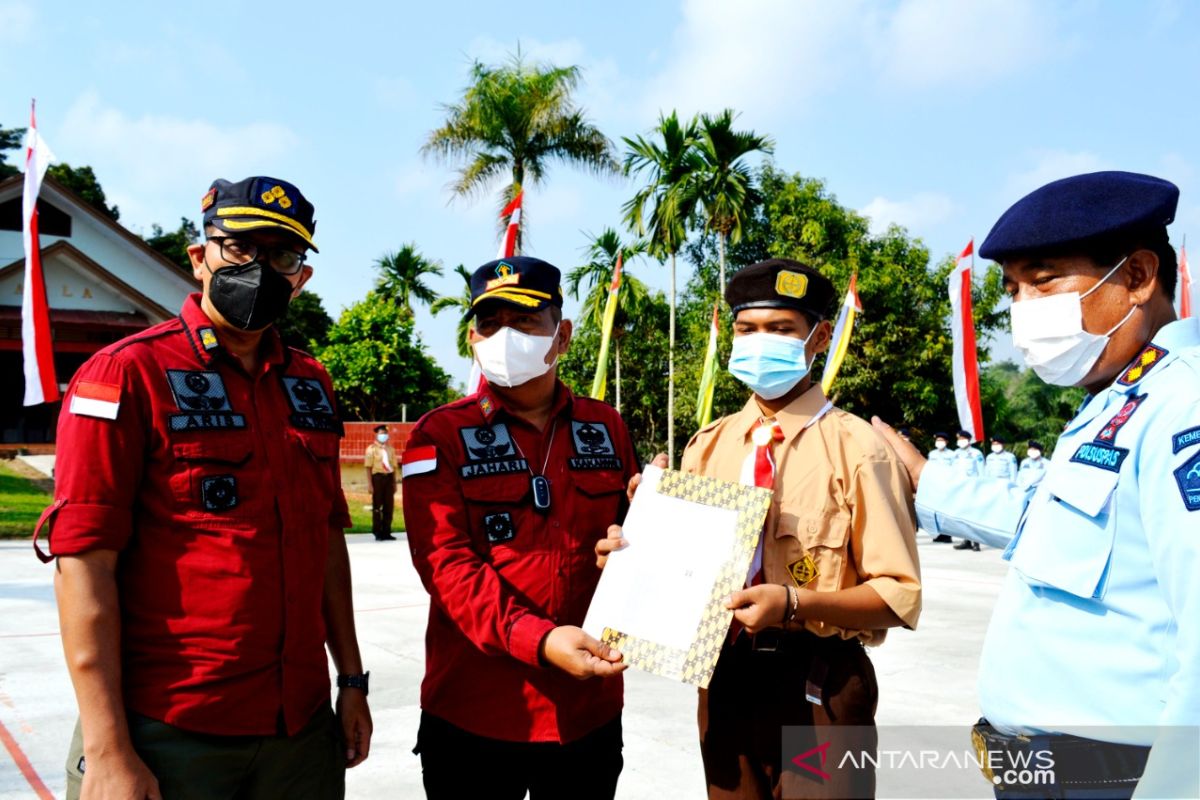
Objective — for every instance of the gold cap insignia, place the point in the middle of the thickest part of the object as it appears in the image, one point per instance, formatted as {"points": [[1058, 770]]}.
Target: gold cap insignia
{"points": [[791, 284], [276, 194]]}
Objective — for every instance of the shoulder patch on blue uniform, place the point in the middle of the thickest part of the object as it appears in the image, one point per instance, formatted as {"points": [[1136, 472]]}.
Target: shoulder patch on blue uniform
{"points": [[1185, 439], [1109, 432], [1098, 454], [1146, 361], [1188, 478]]}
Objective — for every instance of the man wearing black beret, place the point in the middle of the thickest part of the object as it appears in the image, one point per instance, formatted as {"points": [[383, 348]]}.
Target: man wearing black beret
{"points": [[1093, 652]]}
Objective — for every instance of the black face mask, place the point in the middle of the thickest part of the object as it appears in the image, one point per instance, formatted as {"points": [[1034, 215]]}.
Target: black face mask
{"points": [[250, 296]]}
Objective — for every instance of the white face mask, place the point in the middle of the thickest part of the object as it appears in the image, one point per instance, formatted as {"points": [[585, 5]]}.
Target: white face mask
{"points": [[510, 358], [963, 444], [1034, 453], [381, 437], [939, 444], [997, 448], [1049, 333]]}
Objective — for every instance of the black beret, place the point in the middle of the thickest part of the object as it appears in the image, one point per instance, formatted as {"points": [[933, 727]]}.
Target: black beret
{"points": [[380, 428], [964, 435], [523, 281], [941, 435], [780, 283], [999, 440], [1077, 209], [259, 202], [1035, 445]]}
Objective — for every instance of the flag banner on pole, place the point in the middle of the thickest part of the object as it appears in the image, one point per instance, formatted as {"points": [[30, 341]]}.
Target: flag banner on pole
{"points": [[966, 364], [41, 385], [708, 378], [600, 382], [512, 211], [841, 335], [1185, 285]]}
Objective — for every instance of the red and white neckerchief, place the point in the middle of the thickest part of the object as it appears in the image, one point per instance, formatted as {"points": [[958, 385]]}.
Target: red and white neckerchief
{"points": [[387, 464]]}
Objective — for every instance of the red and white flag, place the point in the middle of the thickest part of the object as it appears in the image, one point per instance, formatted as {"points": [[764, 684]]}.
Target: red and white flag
{"points": [[966, 363], [508, 247], [41, 386], [418, 461], [1185, 285], [95, 399]]}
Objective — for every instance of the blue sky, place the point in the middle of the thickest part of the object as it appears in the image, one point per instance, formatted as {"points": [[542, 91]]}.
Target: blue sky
{"points": [[934, 114]]}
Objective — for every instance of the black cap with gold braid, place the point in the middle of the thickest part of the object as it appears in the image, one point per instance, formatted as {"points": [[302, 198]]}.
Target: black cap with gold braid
{"points": [[521, 281], [259, 202]]}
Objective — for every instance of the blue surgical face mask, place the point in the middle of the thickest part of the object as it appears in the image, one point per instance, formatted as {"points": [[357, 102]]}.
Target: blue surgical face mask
{"points": [[770, 364]]}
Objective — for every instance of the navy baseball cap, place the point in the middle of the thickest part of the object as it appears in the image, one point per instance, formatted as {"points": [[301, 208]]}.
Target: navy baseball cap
{"points": [[780, 283], [1081, 208], [523, 281], [259, 202]]}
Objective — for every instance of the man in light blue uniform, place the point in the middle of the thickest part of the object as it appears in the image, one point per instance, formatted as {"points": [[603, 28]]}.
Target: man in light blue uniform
{"points": [[942, 454], [1033, 466], [1093, 651], [1000, 463], [968, 460]]}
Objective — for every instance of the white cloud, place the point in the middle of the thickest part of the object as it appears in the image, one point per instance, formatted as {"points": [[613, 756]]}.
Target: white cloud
{"points": [[16, 21], [916, 213], [144, 161], [1050, 165]]}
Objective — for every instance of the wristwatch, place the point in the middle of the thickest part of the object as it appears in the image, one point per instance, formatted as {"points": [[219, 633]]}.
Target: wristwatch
{"points": [[354, 682]]}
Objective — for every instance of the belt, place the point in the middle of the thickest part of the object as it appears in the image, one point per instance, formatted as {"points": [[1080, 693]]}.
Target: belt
{"points": [[777, 640], [1077, 762]]}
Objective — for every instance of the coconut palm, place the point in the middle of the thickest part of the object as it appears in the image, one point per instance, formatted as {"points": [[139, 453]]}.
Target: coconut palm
{"points": [[724, 184], [461, 303], [593, 279], [662, 210], [512, 122], [401, 274]]}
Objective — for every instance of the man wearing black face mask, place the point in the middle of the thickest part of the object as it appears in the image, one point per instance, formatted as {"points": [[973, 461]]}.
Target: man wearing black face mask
{"points": [[201, 568]]}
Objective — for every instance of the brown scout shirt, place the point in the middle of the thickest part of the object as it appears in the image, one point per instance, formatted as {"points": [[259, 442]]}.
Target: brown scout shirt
{"points": [[374, 461], [841, 495]]}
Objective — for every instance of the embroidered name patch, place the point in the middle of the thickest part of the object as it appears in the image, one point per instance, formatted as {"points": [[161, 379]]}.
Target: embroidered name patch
{"points": [[310, 405], [219, 493], [202, 398], [1098, 454], [490, 451], [499, 527], [1185, 439], [1188, 478], [1109, 432], [593, 446]]}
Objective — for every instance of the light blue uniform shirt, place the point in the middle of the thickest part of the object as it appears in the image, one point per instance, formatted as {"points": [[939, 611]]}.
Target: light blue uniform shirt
{"points": [[1098, 621], [1032, 471], [968, 462], [1001, 465], [944, 456]]}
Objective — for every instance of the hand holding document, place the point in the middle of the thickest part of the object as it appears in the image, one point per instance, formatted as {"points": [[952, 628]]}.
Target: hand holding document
{"points": [[661, 599]]}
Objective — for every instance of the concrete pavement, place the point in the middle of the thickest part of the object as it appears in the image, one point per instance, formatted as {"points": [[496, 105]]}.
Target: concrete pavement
{"points": [[925, 676]]}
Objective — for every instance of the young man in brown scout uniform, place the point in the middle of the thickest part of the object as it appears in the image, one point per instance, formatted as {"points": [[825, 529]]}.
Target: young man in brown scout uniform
{"points": [[837, 563], [380, 462]]}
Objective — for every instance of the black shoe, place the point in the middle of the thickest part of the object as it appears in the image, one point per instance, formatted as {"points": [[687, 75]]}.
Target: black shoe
{"points": [[385, 538], [941, 537], [975, 546], [966, 545]]}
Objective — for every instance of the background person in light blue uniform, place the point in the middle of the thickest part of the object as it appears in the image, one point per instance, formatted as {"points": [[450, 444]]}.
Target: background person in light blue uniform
{"points": [[1033, 466], [942, 454], [968, 460], [1000, 463], [1094, 647]]}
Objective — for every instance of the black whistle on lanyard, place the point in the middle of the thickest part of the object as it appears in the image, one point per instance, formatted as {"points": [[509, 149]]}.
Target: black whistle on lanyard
{"points": [[541, 493]]}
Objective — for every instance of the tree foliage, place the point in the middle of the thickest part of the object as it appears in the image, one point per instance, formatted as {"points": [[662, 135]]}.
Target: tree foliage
{"points": [[83, 182], [10, 139], [174, 244], [460, 303], [402, 277], [306, 324], [378, 364], [1021, 406]]}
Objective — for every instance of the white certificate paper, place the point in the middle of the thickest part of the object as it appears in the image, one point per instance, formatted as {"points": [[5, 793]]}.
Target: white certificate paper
{"points": [[661, 598]]}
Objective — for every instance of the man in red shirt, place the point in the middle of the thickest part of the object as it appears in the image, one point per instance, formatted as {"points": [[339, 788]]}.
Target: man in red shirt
{"points": [[197, 525], [505, 493]]}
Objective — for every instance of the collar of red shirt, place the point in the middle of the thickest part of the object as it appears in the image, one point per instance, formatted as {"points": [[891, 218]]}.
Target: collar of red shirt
{"points": [[203, 335], [791, 418], [490, 405]]}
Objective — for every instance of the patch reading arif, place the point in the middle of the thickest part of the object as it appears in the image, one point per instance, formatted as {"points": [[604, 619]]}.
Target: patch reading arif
{"points": [[311, 408], [201, 396], [1185, 439], [593, 446], [490, 451], [1188, 479], [791, 284], [1098, 454], [1109, 432], [1145, 362]]}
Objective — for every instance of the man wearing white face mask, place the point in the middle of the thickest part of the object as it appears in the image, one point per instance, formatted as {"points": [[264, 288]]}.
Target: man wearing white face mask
{"points": [[505, 493], [837, 562], [1033, 466], [1093, 652]]}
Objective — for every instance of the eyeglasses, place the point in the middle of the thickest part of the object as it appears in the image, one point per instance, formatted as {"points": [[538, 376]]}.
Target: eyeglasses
{"points": [[239, 251]]}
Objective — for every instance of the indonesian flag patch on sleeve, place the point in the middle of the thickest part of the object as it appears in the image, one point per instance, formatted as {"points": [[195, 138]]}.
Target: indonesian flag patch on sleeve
{"points": [[94, 399], [418, 461]]}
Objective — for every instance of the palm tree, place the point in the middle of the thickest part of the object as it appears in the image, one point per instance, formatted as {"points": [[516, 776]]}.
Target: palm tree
{"points": [[514, 120], [669, 196], [593, 280], [400, 277], [725, 185], [462, 303]]}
